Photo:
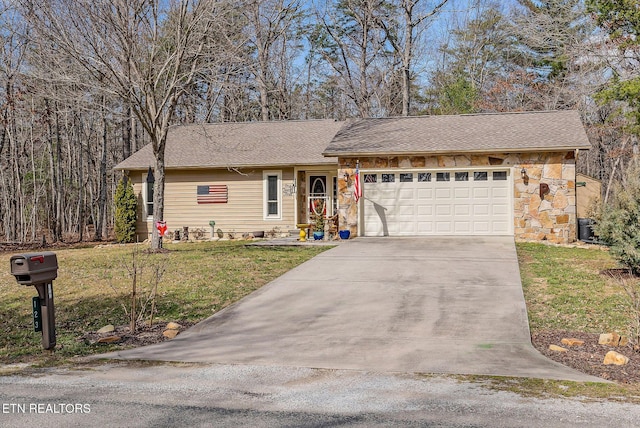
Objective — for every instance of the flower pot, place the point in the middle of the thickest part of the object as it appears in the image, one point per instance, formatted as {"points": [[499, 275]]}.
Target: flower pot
{"points": [[344, 234], [317, 236]]}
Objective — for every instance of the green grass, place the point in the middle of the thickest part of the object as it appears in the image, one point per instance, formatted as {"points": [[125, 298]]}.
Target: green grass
{"points": [[564, 289], [546, 388], [93, 289]]}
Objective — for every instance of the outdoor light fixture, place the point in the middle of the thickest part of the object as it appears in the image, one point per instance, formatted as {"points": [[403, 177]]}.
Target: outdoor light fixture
{"points": [[525, 177]]}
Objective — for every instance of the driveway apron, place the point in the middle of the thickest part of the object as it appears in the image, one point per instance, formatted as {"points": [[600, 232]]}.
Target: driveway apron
{"points": [[429, 305]]}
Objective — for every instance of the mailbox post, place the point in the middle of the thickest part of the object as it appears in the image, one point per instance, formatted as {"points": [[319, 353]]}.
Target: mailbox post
{"points": [[39, 270]]}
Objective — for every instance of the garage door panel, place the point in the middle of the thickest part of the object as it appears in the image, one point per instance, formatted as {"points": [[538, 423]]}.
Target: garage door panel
{"points": [[406, 194], [386, 195], [500, 209], [443, 210], [443, 193], [461, 210], [444, 227], [405, 211], [461, 193], [375, 214], [465, 207], [481, 193], [425, 228], [481, 210], [500, 227], [462, 227], [405, 228], [481, 227], [424, 194], [500, 192], [425, 210]]}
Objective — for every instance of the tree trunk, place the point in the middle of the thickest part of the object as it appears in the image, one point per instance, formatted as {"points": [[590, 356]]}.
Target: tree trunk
{"points": [[81, 211], [54, 179], [407, 55], [102, 186], [126, 134], [59, 223], [158, 200]]}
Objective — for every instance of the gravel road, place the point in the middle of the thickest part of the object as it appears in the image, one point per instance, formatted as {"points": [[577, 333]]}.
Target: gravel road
{"points": [[130, 395]]}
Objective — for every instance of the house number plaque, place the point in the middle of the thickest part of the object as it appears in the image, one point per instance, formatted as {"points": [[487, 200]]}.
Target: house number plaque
{"points": [[288, 190]]}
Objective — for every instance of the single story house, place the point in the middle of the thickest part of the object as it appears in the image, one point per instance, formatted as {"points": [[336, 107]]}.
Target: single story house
{"points": [[478, 174]]}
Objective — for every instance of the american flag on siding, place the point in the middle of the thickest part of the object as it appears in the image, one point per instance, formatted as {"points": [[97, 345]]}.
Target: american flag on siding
{"points": [[213, 194]]}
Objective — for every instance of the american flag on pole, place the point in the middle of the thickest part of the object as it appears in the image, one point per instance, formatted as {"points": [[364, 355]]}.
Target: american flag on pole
{"points": [[357, 190], [213, 194]]}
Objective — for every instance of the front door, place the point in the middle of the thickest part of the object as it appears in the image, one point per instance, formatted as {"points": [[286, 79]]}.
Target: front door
{"points": [[319, 200]]}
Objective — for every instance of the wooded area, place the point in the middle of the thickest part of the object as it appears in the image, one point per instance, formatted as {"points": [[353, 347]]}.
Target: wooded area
{"points": [[85, 83]]}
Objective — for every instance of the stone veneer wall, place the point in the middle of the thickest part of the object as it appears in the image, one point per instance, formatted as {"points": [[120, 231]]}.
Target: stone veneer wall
{"points": [[551, 218]]}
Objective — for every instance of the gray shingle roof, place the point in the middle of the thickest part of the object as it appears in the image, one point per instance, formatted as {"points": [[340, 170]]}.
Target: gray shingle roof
{"points": [[505, 132], [287, 143], [224, 145]]}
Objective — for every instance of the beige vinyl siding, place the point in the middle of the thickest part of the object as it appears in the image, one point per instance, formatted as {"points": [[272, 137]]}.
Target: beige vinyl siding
{"points": [[243, 213]]}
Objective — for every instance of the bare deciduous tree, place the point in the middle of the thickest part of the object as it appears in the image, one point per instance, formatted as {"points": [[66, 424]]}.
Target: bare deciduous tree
{"points": [[403, 39], [349, 39], [146, 52], [272, 27]]}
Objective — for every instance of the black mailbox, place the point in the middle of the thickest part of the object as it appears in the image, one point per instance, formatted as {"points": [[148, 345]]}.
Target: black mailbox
{"points": [[39, 270]]}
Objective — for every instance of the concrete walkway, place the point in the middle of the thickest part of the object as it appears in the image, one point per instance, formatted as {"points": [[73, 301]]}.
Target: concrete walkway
{"points": [[431, 305]]}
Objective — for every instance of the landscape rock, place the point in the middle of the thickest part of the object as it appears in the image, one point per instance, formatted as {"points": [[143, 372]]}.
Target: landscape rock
{"points": [[173, 326], [109, 339], [613, 357], [609, 339], [572, 342], [624, 341], [106, 329], [557, 348], [170, 334]]}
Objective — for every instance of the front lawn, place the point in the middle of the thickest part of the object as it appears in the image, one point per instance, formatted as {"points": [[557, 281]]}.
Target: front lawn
{"points": [[568, 297], [94, 285], [564, 289]]}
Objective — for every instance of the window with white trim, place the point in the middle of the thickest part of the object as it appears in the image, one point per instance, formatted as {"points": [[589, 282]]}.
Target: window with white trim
{"points": [[147, 194], [272, 187]]}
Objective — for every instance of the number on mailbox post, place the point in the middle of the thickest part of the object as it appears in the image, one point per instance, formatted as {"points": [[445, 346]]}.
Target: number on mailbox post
{"points": [[37, 314]]}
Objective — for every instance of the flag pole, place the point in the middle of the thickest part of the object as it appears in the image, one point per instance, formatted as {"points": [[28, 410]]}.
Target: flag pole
{"points": [[357, 191]]}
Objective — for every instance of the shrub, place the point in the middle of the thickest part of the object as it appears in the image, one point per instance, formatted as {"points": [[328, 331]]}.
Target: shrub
{"points": [[125, 215], [619, 224]]}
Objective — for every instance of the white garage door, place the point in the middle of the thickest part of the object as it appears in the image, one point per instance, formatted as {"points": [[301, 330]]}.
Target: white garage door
{"points": [[437, 203]]}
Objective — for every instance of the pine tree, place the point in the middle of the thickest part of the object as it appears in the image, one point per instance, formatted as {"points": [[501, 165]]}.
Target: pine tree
{"points": [[619, 225], [621, 20], [125, 216]]}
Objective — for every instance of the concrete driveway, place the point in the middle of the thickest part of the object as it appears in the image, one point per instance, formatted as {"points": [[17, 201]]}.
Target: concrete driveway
{"points": [[432, 305]]}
